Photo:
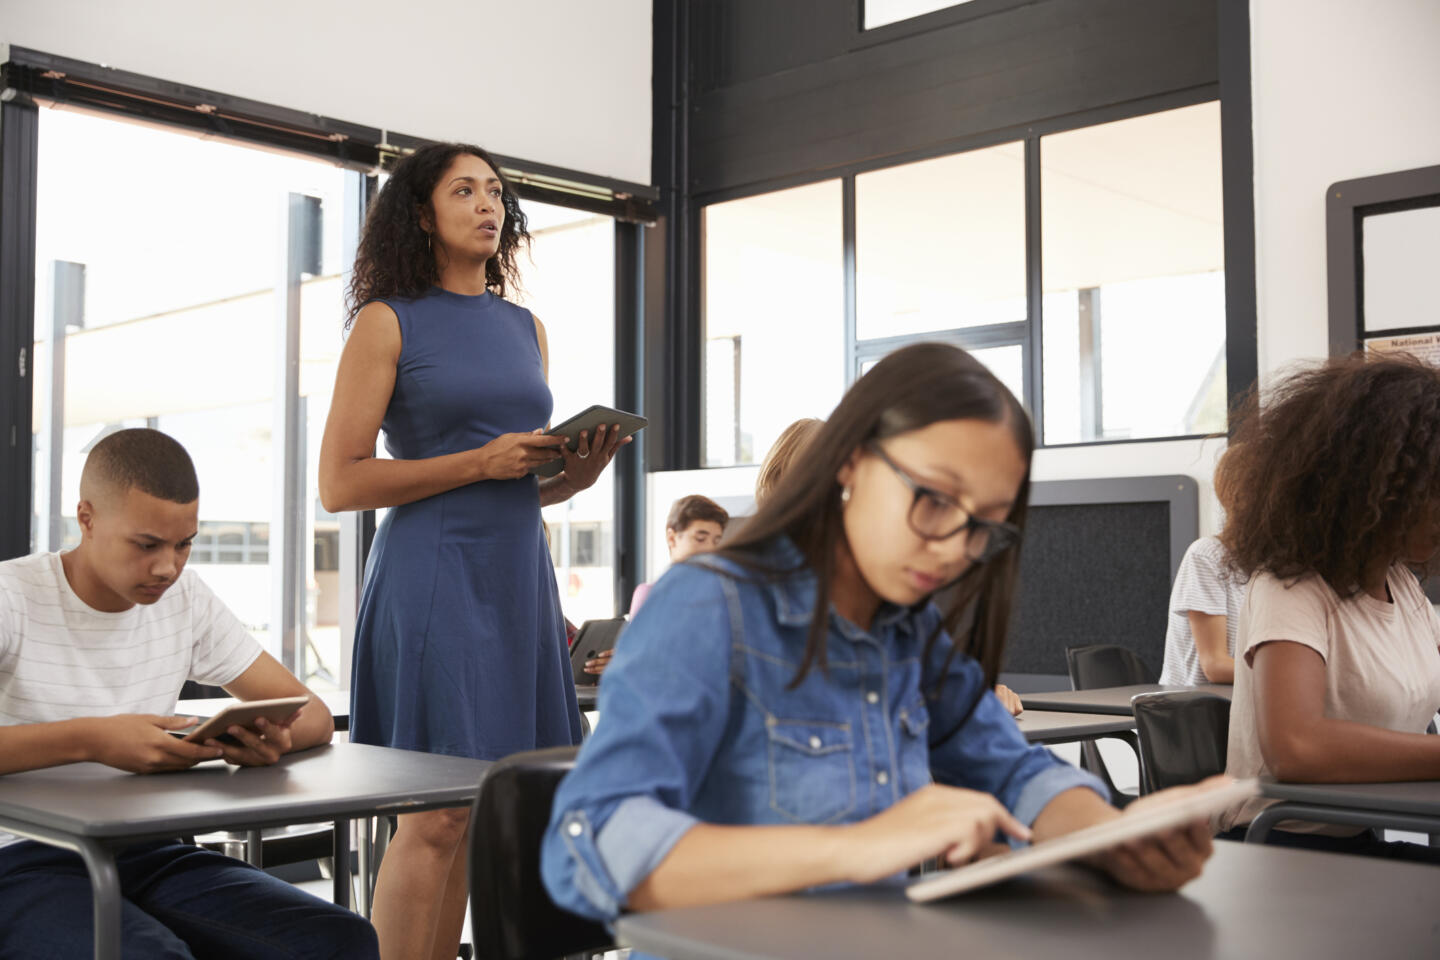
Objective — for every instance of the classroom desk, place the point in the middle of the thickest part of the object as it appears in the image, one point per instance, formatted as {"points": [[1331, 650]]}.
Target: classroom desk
{"points": [[1112, 700], [96, 810], [337, 701], [1252, 901], [586, 695], [1413, 806], [1055, 726]]}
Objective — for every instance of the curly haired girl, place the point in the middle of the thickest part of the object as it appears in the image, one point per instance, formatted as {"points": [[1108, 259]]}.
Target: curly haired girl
{"points": [[1335, 493]]}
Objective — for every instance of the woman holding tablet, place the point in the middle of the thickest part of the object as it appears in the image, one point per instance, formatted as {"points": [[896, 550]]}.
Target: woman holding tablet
{"points": [[794, 743], [460, 644]]}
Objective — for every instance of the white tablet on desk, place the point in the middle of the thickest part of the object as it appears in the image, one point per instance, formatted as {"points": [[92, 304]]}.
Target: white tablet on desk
{"points": [[1082, 843]]}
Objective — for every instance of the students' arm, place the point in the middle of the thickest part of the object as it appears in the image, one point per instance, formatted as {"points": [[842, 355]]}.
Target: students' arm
{"points": [[714, 864], [1212, 646], [136, 743], [311, 726], [1300, 743], [1156, 864], [584, 466], [353, 478]]}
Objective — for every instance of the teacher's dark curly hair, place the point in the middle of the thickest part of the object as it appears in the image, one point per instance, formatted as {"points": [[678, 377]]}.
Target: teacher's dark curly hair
{"points": [[395, 258]]}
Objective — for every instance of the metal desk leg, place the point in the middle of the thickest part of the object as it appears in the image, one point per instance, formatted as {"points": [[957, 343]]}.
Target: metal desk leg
{"points": [[342, 864], [363, 867], [105, 887], [255, 848]]}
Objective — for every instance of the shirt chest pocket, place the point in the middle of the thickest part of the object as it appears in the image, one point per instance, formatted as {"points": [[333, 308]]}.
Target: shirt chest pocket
{"points": [[914, 745], [812, 770]]}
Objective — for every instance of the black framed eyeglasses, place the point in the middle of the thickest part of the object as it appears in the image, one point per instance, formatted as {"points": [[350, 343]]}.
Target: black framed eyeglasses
{"points": [[938, 516]]}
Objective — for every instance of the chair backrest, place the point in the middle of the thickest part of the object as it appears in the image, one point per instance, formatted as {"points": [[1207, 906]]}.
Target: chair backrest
{"points": [[1183, 737], [512, 916], [1105, 665]]}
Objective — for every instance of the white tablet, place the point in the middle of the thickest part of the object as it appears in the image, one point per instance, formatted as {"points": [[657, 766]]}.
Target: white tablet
{"points": [[588, 419], [243, 714], [1082, 843]]}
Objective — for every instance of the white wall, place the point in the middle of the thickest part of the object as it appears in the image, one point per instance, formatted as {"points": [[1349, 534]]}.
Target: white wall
{"points": [[1341, 90], [564, 82]]}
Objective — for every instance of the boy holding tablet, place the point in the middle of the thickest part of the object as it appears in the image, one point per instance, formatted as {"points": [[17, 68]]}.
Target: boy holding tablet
{"points": [[94, 647]]}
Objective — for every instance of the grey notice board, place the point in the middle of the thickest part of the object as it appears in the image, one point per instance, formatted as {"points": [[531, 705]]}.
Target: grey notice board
{"points": [[1098, 560]]}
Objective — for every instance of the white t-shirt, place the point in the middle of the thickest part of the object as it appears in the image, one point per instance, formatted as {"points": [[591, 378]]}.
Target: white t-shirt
{"points": [[61, 659], [1382, 665], [1203, 584]]}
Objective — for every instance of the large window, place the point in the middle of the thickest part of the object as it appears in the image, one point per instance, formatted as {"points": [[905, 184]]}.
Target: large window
{"points": [[158, 259], [1134, 256], [774, 317], [880, 12], [1121, 293], [568, 280]]}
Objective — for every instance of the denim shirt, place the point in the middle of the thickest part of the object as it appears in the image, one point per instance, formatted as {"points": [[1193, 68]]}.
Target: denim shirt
{"points": [[697, 726]]}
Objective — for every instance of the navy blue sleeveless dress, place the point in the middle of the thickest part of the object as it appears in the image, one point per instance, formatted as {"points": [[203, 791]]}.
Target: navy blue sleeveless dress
{"points": [[460, 643]]}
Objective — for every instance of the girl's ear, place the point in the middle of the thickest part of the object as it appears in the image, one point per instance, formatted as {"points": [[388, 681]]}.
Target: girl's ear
{"points": [[846, 473], [427, 222]]}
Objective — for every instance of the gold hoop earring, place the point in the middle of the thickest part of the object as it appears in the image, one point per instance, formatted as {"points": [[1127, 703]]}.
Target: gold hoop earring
{"points": [[428, 245]]}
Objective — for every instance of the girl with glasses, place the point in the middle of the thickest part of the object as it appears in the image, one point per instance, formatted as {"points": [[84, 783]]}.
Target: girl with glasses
{"points": [[823, 725]]}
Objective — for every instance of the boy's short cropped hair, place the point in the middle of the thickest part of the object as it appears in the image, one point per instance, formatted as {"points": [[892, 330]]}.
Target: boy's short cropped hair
{"points": [[143, 459], [688, 510]]}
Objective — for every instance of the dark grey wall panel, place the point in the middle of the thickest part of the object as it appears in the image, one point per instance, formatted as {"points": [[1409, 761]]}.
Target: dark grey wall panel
{"points": [[781, 87]]}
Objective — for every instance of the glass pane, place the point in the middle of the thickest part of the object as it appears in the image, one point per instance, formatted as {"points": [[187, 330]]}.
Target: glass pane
{"points": [[774, 317], [880, 12], [1133, 260], [569, 283], [1400, 252], [940, 244], [164, 269], [1006, 362]]}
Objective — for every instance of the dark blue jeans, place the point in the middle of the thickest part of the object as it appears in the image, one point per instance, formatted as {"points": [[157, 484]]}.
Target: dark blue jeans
{"points": [[179, 901]]}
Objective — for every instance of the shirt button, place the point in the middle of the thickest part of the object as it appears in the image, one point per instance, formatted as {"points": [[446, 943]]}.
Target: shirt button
{"points": [[882, 778], [575, 829], [872, 697], [815, 743]]}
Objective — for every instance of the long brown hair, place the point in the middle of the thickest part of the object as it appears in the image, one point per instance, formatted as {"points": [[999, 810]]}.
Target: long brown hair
{"points": [[911, 388], [1335, 469], [395, 259]]}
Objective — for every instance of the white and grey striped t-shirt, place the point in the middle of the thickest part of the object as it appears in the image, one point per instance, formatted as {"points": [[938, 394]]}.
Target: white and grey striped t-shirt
{"points": [[61, 659], [1203, 584]]}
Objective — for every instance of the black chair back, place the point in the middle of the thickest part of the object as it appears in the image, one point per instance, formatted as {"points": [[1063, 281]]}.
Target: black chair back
{"points": [[1105, 665], [1183, 737], [511, 915]]}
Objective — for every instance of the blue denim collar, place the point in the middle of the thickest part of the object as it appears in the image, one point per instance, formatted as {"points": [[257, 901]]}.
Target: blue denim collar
{"points": [[795, 592]]}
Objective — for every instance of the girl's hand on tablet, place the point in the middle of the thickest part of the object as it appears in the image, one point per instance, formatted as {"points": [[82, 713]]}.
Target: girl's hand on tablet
{"points": [[260, 747], [1169, 860], [933, 821]]}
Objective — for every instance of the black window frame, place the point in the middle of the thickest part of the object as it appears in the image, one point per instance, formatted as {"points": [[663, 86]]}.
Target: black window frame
{"points": [[31, 78]]}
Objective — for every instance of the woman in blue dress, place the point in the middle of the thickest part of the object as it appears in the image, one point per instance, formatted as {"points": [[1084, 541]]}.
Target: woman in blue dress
{"points": [[460, 643]]}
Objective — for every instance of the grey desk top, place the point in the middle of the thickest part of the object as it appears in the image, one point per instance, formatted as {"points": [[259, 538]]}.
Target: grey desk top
{"points": [[1252, 901], [1049, 726], [343, 779], [1418, 796], [1113, 700]]}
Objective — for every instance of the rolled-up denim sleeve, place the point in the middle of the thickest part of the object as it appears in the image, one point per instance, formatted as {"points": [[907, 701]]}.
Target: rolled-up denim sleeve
{"points": [[977, 744], [663, 704]]}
